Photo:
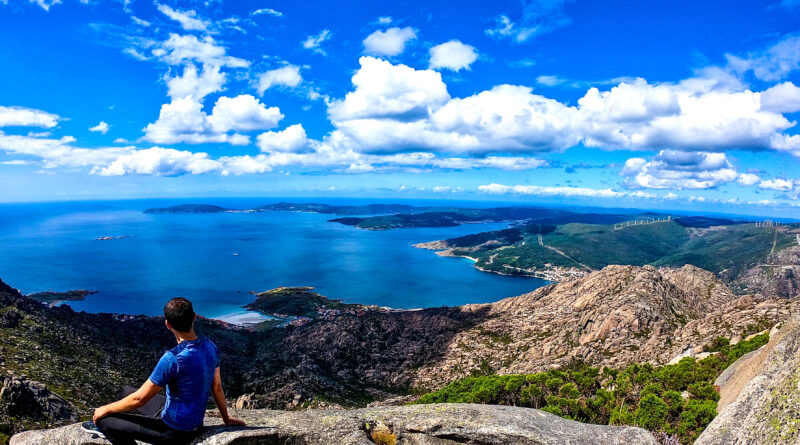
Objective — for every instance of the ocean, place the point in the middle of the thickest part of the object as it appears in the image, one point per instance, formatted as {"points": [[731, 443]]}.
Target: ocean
{"points": [[216, 260]]}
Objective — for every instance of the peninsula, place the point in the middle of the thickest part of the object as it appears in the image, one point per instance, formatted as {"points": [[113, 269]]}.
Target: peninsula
{"points": [[751, 257]]}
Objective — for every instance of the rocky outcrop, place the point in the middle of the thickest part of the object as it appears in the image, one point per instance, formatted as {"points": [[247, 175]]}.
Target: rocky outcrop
{"points": [[26, 399], [613, 317], [778, 276], [767, 408], [8, 294], [442, 424]]}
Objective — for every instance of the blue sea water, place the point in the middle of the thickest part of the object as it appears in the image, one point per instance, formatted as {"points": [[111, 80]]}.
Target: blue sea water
{"points": [[53, 246]]}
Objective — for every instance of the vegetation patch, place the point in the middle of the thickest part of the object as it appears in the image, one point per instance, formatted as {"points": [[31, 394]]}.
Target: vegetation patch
{"points": [[296, 301], [677, 401]]}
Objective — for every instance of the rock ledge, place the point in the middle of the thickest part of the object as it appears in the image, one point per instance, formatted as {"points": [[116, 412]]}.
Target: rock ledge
{"points": [[438, 424]]}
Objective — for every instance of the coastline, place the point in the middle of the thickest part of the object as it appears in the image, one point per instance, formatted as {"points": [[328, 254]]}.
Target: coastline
{"points": [[552, 275]]}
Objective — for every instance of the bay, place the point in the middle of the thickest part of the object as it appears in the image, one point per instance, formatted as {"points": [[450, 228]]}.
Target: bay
{"points": [[216, 260]]}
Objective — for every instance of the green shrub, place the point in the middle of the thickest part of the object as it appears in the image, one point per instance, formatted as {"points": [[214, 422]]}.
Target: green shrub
{"points": [[717, 344], [703, 391], [622, 416], [695, 417], [652, 413], [640, 394], [570, 391], [674, 400]]}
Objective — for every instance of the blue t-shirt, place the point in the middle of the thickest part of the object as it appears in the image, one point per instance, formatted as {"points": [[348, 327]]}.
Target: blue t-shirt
{"points": [[187, 372]]}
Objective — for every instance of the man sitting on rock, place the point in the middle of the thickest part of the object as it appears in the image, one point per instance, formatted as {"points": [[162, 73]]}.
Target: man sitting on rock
{"points": [[188, 372]]}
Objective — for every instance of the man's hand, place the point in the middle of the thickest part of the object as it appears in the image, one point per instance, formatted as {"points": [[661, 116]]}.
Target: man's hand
{"points": [[233, 421], [99, 413]]}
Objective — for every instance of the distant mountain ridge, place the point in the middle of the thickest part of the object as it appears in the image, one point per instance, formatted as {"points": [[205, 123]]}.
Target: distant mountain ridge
{"points": [[398, 216], [369, 209]]}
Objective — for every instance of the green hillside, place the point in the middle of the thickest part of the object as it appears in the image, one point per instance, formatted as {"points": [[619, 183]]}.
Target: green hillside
{"points": [[734, 248], [584, 246], [522, 250], [598, 246]]}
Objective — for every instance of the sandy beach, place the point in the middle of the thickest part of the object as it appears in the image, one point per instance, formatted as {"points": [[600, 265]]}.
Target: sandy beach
{"points": [[243, 318]]}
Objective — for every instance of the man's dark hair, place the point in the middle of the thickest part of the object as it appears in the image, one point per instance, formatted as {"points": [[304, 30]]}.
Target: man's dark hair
{"points": [[180, 314]]}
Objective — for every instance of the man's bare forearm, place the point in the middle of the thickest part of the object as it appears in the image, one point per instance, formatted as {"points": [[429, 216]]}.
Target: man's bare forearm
{"points": [[129, 403], [219, 399]]}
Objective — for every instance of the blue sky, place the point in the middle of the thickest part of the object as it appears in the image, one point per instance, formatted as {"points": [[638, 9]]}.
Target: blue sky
{"points": [[679, 105]]}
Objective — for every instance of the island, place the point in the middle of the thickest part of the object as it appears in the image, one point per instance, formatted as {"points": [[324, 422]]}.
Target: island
{"points": [[188, 208]]}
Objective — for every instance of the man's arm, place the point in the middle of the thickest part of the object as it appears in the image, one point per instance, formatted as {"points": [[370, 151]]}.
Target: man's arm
{"points": [[133, 401], [219, 399]]}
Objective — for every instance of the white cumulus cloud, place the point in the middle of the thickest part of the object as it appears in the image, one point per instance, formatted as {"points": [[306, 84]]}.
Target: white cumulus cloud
{"points": [[390, 42], [782, 98], [394, 107], [783, 185], [194, 84], [59, 152], [288, 76], [386, 90], [452, 55], [748, 179], [26, 117], [102, 127], [243, 113], [680, 170], [160, 162], [183, 120], [292, 139]]}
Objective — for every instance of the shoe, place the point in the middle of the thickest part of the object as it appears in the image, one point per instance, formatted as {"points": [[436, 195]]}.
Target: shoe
{"points": [[92, 429]]}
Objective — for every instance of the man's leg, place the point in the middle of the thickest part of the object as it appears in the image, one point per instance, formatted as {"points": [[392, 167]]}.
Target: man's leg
{"points": [[150, 409], [125, 429]]}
